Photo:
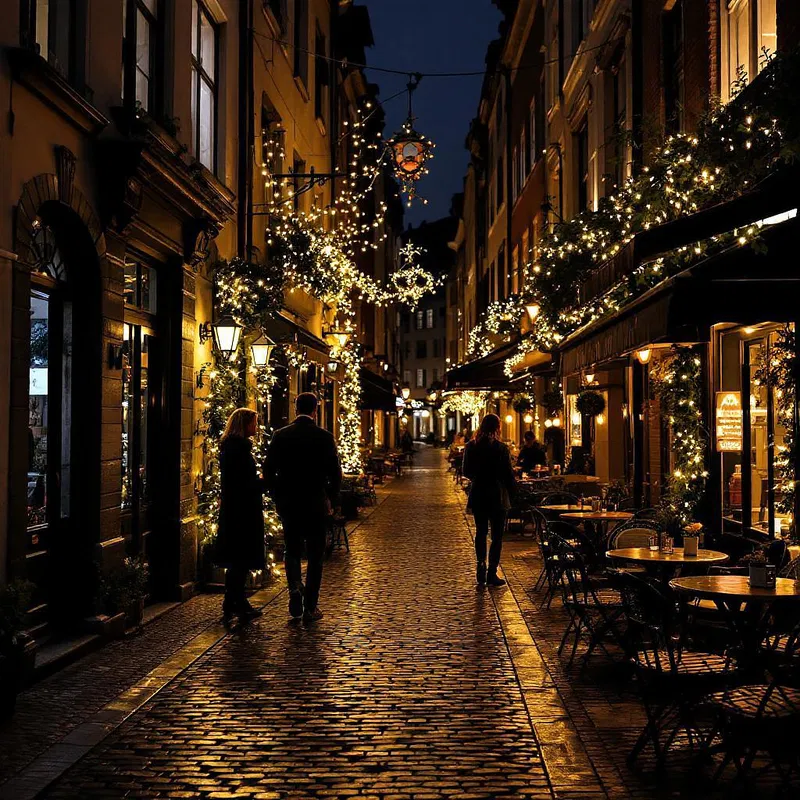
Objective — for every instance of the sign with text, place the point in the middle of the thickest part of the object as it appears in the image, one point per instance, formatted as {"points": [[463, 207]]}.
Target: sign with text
{"points": [[730, 422]]}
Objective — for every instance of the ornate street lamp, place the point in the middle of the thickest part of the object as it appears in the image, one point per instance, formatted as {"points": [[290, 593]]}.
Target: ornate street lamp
{"points": [[410, 151], [261, 350]]}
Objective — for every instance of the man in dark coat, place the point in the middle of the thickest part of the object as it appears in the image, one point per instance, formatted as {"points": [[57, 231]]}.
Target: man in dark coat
{"points": [[303, 475]]}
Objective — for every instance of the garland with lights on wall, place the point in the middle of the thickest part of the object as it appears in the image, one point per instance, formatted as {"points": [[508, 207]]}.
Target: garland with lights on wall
{"points": [[736, 146], [677, 382], [248, 293], [778, 375]]}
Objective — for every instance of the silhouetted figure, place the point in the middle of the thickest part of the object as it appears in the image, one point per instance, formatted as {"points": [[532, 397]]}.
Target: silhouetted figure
{"points": [[531, 454], [240, 533], [303, 476], [487, 463]]}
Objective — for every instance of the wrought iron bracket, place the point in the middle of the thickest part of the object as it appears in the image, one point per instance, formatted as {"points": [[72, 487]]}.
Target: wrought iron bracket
{"points": [[313, 179]]}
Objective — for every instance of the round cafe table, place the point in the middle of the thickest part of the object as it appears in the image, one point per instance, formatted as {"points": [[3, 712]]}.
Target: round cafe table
{"points": [[598, 516], [666, 564], [678, 558], [560, 507], [746, 608]]}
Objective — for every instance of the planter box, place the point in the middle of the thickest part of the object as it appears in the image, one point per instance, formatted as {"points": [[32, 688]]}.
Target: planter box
{"points": [[109, 627], [762, 577]]}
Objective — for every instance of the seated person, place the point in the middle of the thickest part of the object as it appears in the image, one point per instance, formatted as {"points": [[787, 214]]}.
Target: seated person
{"points": [[531, 454]]}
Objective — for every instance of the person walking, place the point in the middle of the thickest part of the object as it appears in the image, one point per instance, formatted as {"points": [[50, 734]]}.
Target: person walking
{"points": [[240, 531], [303, 475], [487, 464]]}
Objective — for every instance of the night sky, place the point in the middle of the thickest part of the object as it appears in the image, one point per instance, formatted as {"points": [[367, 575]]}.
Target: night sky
{"points": [[433, 36]]}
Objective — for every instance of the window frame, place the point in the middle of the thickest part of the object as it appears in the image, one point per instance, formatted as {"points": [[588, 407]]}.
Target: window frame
{"points": [[213, 83]]}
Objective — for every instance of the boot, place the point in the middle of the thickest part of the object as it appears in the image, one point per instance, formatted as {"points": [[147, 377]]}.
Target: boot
{"points": [[480, 573], [492, 579]]}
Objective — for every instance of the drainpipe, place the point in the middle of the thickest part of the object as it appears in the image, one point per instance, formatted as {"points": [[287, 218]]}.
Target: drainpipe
{"points": [[509, 171], [246, 132]]}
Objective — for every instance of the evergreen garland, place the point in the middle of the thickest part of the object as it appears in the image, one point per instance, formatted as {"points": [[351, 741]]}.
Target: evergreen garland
{"points": [[677, 382]]}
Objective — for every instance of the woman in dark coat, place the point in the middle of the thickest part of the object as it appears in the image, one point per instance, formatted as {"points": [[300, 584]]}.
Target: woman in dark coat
{"points": [[240, 534], [487, 463]]}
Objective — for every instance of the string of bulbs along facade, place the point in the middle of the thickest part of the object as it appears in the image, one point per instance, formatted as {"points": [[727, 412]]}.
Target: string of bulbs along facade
{"points": [[315, 250], [738, 145]]}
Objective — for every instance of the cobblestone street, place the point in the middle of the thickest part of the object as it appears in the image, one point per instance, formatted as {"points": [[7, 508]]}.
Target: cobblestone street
{"points": [[414, 685]]}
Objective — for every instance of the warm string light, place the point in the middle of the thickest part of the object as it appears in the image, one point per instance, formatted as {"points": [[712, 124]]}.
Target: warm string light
{"points": [[677, 381]]}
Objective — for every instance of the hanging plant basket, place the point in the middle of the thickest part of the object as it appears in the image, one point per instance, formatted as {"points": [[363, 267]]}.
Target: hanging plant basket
{"points": [[521, 403], [553, 402], [590, 404]]}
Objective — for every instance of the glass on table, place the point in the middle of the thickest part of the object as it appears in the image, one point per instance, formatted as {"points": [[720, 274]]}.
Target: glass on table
{"points": [[654, 541]]}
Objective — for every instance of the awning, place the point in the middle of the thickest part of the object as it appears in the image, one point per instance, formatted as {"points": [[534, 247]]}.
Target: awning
{"points": [[740, 286], [377, 393], [776, 194], [487, 372], [283, 330]]}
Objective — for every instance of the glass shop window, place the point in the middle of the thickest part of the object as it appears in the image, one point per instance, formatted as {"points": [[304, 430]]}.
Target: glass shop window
{"points": [[140, 286]]}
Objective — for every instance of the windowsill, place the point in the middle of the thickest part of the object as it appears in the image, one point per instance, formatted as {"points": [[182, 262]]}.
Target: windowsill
{"points": [[33, 72], [302, 88]]}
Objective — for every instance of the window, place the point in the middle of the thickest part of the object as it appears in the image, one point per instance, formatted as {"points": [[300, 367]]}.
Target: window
{"points": [[407, 349], [301, 40], [53, 30], [749, 35], [320, 75], [407, 377], [582, 152], [502, 274], [500, 186], [140, 44], [429, 321], [620, 98], [673, 67], [515, 182], [420, 379], [420, 319], [279, 11], [422, 348], [204, 86], [140, 286], [298, 168]]}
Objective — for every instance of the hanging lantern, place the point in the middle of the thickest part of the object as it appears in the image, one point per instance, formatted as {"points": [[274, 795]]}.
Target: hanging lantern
{"points": [[533, 310], [261, 351], [332, 365], [410, 151], [226, 336]]}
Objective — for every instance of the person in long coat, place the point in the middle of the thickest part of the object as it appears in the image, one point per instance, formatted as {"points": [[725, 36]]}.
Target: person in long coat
{"points": [[240, 534], [487, 464]]}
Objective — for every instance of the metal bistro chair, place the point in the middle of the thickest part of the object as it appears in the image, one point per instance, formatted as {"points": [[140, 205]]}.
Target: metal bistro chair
{"points": [[551, 573], [672, 679], [630, 534], [594, 613], [762, 720], [337, 535]]}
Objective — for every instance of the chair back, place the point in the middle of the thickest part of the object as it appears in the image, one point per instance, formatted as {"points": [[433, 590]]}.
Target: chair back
{"points": [[791, 570], [560, 499], [646, 513], [653, 634], [630, 537]]}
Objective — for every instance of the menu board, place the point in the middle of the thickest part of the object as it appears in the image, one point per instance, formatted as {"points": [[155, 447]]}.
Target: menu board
{"points": [[730, 422]]}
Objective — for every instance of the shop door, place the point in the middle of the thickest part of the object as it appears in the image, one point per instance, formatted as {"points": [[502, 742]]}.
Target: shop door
{"points": [[50, 435]]}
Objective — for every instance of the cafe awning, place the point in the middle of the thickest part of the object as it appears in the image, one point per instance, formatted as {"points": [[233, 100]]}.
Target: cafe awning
{"points": [[487, 372], [283, 330], [742, 285], [377, 393]]}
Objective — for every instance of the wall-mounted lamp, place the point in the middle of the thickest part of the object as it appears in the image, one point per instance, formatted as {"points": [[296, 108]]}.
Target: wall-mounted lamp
{"points": [[115, 355], [509, 419], [589, 378], [533, 310], [644, 355], [261, 350], [226, 334], [332, 365]]}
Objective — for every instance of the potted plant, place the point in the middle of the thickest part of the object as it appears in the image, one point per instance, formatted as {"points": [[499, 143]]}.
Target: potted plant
{"points": [[553, 401], [761, 575], [590, 403], [521, 403], [691, 538], [17, 649], [124, 590]]}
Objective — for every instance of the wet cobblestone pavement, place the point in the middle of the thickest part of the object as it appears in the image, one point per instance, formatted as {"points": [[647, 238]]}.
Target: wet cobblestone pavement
{"points": [[406, 689]]}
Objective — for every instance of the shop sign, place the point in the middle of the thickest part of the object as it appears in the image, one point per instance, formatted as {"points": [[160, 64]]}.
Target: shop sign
{"points": [[730, 422]]}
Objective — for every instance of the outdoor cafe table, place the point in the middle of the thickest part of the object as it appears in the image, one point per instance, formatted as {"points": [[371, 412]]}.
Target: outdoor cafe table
{"points": [[746, 608], [602, 519], [666, 563]]}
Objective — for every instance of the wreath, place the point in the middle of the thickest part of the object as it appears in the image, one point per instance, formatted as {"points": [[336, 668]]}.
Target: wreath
{"points": [[521, 403], [554, 402], [590, 403]]}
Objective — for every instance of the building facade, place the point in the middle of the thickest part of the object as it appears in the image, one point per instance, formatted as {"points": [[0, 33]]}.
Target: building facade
{"points": [[145, 141]]}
